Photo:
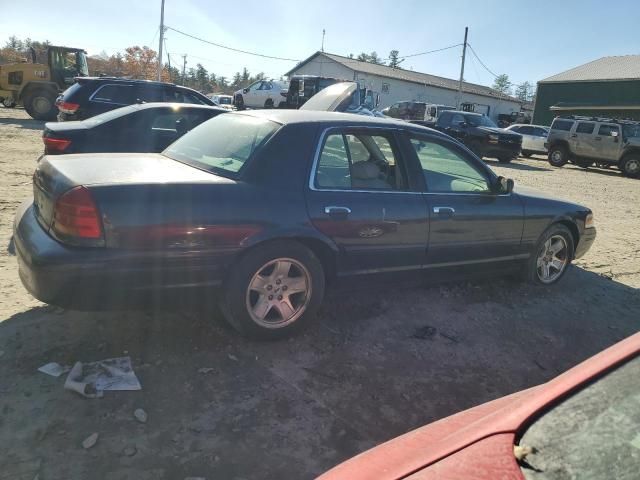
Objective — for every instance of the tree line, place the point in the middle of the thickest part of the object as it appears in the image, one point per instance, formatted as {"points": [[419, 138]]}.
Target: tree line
{"points": [[142, 63], [135, 62]]}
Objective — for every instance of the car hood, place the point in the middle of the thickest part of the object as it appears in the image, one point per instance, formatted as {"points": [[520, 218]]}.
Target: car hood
{"points": [[417, 450], [532, 193], [495, 130], [332, 98]]}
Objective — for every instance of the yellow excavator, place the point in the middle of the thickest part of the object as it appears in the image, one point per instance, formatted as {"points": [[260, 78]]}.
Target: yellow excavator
{"points": [[36, 85]]}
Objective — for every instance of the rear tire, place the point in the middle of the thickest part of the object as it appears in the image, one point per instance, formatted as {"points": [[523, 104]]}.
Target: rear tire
{"points": [[258, 297], [630, 165], [558, 156], [41, 105], [505, 159], [552, 255], [268, 103], [526, 154]]}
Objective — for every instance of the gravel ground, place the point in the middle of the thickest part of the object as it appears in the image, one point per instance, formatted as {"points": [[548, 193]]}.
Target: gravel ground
{"points": [[381, 361]]}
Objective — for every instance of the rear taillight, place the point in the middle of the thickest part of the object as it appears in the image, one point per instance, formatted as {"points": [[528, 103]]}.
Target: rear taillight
{"points": [[67, 107], [76, 216], [55, 145]]}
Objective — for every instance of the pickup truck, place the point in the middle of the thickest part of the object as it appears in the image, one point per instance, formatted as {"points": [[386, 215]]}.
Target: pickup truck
{"points": [[479, 134]]}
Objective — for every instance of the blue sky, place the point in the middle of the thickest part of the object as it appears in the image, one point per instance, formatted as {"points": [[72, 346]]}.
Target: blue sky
{"points": [[526, 40]]}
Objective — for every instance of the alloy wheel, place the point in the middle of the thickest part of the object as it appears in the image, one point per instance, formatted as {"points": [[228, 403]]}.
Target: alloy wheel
{"points": [[552, 259], [278, 293]]}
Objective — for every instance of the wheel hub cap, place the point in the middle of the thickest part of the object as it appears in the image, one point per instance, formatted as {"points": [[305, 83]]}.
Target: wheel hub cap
{"points": [[552, 259], [278, 293]]}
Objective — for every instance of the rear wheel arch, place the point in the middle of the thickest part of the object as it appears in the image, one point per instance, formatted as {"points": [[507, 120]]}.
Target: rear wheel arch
{"points": [[326, 252]]}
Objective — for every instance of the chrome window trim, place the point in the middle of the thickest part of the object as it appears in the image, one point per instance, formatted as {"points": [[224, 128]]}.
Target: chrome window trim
{"points": [[91, 98], [316, 159]]}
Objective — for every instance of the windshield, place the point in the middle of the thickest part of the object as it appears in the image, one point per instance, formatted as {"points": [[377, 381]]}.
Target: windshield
{"points": [[480, 121], [631, 131], [593, 434], [81, 64], [223, 144]]}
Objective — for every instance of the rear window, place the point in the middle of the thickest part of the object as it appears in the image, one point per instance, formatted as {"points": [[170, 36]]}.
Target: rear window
{"points": [[564, 125], [224, 144]]}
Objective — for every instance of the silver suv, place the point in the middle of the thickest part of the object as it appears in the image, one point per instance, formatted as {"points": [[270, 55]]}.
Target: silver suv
{"points": [[586, 141]]}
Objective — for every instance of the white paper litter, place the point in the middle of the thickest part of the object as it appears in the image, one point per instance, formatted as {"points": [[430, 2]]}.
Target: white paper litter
{"points": [[92, 379], [54, 369]]}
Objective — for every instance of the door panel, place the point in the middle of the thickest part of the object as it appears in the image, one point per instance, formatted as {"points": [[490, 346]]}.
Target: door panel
{"points": [[468, 222], [358, 197], [584, 139], [608, 146]]}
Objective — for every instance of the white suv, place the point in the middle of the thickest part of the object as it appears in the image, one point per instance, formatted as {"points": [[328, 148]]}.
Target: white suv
{"points": [[261, 94]]}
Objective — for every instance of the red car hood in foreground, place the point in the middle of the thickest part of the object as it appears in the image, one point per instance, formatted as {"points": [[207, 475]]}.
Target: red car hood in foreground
{"points": [[476, 443]]}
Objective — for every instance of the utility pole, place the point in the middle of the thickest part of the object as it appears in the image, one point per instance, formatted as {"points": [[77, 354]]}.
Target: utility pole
{"points": [[184, 67], [322, 48], [161, 41], [464, 53], [168, 58]]}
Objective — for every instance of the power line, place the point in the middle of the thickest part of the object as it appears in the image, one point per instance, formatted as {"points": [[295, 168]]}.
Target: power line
{"points": [[430, 51], [481, 62], [231, 48]]}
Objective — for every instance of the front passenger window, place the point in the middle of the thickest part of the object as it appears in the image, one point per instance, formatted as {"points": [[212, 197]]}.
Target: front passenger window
{"points": [[447, 171]]}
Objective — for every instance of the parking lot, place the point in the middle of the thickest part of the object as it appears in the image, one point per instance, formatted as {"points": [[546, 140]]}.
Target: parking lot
{"points": [[384, 357]]}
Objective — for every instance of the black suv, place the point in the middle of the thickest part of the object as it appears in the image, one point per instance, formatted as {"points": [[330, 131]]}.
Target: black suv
{"points": [[480, 135], [91, 96]]}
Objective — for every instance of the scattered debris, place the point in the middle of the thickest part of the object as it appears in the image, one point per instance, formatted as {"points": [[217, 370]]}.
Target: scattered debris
{"points": [[92, 379], [424, 333], [140, 415], [54, 369], [232, 357], [539, 365], [452, 338], [90, 441], [130, 451], [521, 451], [205, 370]]}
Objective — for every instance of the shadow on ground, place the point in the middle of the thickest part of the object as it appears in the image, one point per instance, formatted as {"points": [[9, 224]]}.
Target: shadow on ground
{"points": [[517, 166], [379, 362], [28, 123]]}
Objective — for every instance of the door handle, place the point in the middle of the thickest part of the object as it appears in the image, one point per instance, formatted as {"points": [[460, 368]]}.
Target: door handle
{"points": [[334, 211], [574, 135], [445, 211]]}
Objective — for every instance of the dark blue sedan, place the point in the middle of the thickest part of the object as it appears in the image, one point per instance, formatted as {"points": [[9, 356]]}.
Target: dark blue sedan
{"points": [[265, 207]]}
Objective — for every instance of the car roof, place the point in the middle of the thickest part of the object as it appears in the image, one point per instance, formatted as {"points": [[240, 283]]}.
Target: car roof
{"points": [[464, 113], [127, 80], [289, 117], [176, 106], [527, 125]]}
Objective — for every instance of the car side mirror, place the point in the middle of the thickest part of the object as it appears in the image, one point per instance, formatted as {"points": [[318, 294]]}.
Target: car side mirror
{"points": [[504, 185]]}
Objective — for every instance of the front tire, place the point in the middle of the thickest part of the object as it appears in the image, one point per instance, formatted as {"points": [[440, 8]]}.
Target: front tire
{"points": [[630, 165], [239, 102], [273, 290], [558, 156], [526, 154], [268, 103], [552, 256], [505, 159], [41, 105]]}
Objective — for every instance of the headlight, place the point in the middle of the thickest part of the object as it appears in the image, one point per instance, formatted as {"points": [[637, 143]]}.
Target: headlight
{"points": [[493, 138], [589, 222]]}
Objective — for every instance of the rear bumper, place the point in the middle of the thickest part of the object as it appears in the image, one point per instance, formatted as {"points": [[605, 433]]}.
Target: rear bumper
{"points": [[102, 278], [586, 240]]}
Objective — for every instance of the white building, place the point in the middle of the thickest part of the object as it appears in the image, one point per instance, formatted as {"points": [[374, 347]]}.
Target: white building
{"points": [[397, 84]]}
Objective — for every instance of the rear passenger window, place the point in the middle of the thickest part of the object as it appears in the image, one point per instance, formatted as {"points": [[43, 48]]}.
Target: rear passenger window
{"points": [[605, 130], [120, 94], [360, 162], [562, 125], [585, 127]]}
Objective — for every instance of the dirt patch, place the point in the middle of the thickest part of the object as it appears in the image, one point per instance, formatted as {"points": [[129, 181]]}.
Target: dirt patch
{"points": [[381, 360]]}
